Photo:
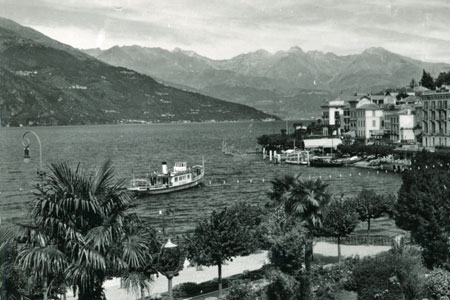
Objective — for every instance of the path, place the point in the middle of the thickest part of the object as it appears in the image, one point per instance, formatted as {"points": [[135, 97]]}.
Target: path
{"points": [[238, 265]]}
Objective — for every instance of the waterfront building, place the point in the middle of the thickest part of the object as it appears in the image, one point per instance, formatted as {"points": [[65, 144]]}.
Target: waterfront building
{"points": [[333, 114], [321, 144], [370, 121], [372, 117], [353, 101], [400, 123], [435, 118]]}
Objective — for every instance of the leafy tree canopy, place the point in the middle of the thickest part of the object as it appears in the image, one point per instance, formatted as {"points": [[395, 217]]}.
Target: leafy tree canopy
{"points": [[443, 78], [339, 218], [423, 208], [427, 81]]}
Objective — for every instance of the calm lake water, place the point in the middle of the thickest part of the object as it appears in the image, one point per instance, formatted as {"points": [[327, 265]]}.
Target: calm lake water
{"points": [[142, 148]]}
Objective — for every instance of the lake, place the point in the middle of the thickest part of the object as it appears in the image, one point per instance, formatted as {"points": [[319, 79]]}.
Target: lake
{"points": [[140, 149]]}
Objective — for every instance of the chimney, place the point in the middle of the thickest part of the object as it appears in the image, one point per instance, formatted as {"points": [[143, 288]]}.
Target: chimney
{"points": [[164, 168]]}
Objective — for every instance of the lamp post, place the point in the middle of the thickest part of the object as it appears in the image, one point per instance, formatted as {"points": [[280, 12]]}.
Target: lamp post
{"points": [[169, 263], [26, 158], [26, 151], [163, 223]]}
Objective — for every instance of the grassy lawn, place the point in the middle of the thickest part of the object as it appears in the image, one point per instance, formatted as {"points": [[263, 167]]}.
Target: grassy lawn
{"points": [[382, 227]]}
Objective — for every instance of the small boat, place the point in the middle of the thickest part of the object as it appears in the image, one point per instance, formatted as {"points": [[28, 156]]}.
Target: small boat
{"points": [[321, 162], [297, 157], [181, 177]]}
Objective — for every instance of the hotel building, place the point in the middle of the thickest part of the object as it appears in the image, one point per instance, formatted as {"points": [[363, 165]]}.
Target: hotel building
{"points": [[435, 119]]}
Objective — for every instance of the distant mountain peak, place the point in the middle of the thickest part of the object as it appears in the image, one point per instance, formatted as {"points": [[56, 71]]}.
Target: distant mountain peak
{"points": [[186, 52], [376, 50], [296, 49]]}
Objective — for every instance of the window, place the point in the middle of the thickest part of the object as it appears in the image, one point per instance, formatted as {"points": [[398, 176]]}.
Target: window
{"points": [[425, 104], [445, 104], [374, 123], [433, 104]]}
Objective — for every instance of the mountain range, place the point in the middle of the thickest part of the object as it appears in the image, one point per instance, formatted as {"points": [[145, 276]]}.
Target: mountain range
{"points": [[289, 83], [44, 82]]}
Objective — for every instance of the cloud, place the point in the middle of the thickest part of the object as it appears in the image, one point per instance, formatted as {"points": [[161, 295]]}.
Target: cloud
{"points": [[221, 29]]}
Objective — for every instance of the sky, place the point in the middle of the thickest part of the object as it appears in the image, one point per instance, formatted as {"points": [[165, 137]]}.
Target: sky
{"points": [[221, 29]]}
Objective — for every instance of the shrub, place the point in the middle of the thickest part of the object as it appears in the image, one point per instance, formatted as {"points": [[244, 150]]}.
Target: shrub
{"points": [[437, 284], [283, 287], [242, 290], [186, 289], [397, 274], [330, 279]]}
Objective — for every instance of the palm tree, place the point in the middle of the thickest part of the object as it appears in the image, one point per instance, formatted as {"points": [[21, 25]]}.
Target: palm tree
{"points": [[303, 201], [279, 188], [81, 223]]}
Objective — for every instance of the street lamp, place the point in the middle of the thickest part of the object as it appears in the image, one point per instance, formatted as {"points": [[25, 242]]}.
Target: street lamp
{"points": [[26, 151], [169, 263]]}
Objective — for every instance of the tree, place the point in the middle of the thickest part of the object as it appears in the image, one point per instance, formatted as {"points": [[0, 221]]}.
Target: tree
{"points": [[427, 80], [287, 251], [221, 236], [443, 78], [413, 83], [81, 231], [263, 140], [423, 208], [339, 220], [369, 205], [402, 95], [302, 201]]}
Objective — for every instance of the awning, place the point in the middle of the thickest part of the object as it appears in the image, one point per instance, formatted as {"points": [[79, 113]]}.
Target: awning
{"points": [[322, 143]]}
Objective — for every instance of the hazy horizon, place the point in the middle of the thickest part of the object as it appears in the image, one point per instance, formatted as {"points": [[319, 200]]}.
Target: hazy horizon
{"points": [[220, 30]]}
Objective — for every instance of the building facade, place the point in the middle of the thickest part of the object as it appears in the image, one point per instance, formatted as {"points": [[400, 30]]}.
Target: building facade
{"points": [[333, 114], [370, 120], [435, 119]]}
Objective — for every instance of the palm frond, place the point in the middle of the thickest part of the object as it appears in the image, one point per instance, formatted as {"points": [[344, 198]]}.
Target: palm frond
{"points": [[103, 177], [135, 282], [135, 251], [100, 237], [42, 261], [92, 259]]}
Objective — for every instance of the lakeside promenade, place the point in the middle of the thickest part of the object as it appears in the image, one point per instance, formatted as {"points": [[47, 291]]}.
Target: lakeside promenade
{"points": [[237, 266]]}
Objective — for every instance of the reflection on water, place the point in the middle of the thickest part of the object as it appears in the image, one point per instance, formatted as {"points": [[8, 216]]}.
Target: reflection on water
{"points": [[142, 148]]}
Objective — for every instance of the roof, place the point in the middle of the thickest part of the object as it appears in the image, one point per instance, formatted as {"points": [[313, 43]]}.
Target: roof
{"points": [[338, 102], [378, 97], [411, 99], [325, 143], [420, 89], [369, 106]]}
